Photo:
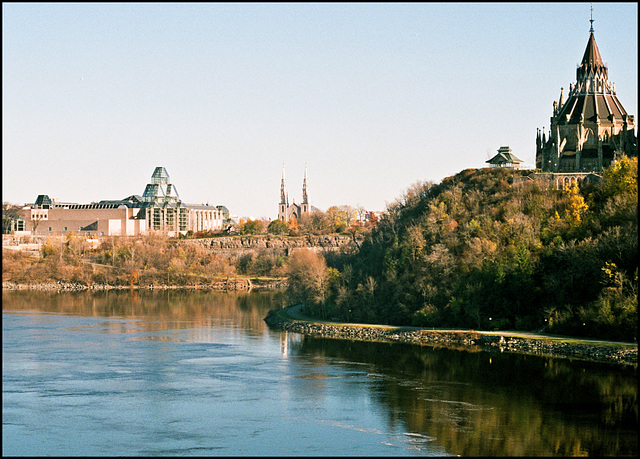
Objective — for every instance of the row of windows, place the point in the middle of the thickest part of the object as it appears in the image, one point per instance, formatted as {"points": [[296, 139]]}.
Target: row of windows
{"points": [[166, 219]]}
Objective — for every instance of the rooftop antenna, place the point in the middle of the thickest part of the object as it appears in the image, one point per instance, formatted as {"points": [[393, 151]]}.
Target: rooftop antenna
{"points": [[591, 20]]}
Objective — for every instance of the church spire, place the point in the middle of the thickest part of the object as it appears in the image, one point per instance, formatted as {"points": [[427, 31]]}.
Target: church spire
{"points": [[305, 196], [283, 189], [561, 100], [592, 75]]}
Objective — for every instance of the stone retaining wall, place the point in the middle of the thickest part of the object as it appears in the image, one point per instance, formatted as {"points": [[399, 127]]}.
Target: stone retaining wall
{"points": [[470, 340], [242, 245], [223, 285]]}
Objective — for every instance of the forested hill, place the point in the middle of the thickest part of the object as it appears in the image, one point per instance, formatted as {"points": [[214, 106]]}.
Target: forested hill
{"points": [[476, 251]]}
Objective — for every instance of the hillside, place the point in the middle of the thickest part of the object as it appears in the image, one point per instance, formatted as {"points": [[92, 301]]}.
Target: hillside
{"points": [[475, 251]]}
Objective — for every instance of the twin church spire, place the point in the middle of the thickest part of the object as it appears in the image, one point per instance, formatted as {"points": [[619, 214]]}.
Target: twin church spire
{"points": [[287, 211]]}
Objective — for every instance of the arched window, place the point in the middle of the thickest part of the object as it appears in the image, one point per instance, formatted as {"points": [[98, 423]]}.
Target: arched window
{"points": [[589, 138]]}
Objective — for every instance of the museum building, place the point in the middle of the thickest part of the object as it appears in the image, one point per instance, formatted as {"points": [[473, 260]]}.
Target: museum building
{"points": [[159, 209]]}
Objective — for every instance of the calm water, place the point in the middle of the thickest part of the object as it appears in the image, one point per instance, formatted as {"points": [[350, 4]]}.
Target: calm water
{"points": [[171, 373]]}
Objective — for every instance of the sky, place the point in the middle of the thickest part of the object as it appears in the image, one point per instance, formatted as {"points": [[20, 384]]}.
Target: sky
{"points": [[369, 97]]}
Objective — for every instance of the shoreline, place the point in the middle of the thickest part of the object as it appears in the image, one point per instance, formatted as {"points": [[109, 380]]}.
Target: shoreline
{"points": [[288, 319], [235, 284]]}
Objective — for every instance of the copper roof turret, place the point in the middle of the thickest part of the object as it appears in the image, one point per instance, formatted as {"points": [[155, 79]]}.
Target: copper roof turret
{"points": [[592, 63]]}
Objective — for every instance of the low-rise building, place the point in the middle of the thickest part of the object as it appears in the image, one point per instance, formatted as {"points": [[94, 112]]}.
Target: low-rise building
{"points": [[505, 158], [159, 209]]}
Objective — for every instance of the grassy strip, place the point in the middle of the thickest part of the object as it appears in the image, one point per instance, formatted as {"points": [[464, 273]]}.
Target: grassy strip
{"points": [[284, 314]]}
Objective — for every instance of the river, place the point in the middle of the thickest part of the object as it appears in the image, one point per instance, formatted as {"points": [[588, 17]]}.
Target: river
{"points": [[195, 373]]}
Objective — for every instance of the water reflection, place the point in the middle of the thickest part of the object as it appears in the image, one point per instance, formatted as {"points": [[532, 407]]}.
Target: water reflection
{"points": [[195, 373], [153, 310], [478, 403]]}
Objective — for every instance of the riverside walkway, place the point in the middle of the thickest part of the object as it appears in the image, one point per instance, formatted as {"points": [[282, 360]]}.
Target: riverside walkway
{"points": [[292, 319], [295, 313]]}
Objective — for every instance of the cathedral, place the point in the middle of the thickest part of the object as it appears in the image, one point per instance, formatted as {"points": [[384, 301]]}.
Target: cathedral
{"points": [[287, 211], [590, 128]]}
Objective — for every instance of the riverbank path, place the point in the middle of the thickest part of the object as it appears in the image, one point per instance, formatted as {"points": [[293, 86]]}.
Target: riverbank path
{"points": [[295, 312]]}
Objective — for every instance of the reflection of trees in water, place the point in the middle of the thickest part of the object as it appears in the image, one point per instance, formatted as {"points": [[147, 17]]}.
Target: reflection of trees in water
{"points": [[166, 309], [487, 403]]}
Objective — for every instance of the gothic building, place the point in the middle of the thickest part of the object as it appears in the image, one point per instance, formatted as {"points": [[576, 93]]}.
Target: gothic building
{"points": [[591, 127], [286, 210]]}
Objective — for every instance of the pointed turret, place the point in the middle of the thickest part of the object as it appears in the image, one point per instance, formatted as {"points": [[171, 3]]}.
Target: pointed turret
{"points": [[305, 196], [561, 101], [592, 65], [283, 189]]}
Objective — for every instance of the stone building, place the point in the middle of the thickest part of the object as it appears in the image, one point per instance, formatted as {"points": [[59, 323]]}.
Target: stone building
{"points": [[285, 210], [591, 127], [159, 209], [50, 217]]}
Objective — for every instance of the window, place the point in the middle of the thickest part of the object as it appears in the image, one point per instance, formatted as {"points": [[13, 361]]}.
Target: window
{"points": [[65, 228], [49, 228]]}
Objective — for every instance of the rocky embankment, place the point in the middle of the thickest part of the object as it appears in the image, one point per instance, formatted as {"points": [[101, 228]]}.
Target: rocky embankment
{"points": [[470, 340], [238, 245], [223, 285]]}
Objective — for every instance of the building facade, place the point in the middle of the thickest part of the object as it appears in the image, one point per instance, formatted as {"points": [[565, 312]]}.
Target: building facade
{"points": [[89, 219], [159, 209], [591, 128], [287, 211], [505, 158]]}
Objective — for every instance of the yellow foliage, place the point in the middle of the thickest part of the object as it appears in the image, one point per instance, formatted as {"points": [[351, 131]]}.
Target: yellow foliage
{"points": [[621, 177], [577, 207]]}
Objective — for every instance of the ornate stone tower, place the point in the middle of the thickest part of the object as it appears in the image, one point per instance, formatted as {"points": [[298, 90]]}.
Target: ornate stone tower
{"points": [[287, 211], [305, 208], [284, 200], [591, 127]]}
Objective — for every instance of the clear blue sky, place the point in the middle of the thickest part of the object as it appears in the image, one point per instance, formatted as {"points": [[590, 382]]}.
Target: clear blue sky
{"points": [[372, 97]]}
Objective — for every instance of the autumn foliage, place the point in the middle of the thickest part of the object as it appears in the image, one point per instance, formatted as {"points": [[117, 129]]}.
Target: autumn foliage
{"points": [[476, 251]]}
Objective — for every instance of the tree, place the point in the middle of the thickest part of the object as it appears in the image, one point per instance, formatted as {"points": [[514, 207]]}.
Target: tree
{"points": [[294, 226], [316, 222], [621, 177], [576, 208], [349, 214], [362, 213], [251, 227], [37, 215], [10, 212], [307, 277], [277, 227], [342, 217]]}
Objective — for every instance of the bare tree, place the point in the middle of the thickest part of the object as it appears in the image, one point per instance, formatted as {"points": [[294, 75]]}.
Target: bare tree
{"points": [[36, 218], [10, 212], [362, 213]]}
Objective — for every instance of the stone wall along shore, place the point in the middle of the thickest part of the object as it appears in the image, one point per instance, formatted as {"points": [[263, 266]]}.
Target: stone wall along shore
{"points": [[462, 339], [223, 285]]}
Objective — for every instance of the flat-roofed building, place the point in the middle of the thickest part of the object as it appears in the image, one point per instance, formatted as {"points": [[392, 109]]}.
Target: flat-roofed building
{"points": [[159, 209], [88, 219], [205, 218]]}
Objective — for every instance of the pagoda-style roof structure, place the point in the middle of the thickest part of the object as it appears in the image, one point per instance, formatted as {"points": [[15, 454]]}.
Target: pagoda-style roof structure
{"points": [[505, 158]]}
